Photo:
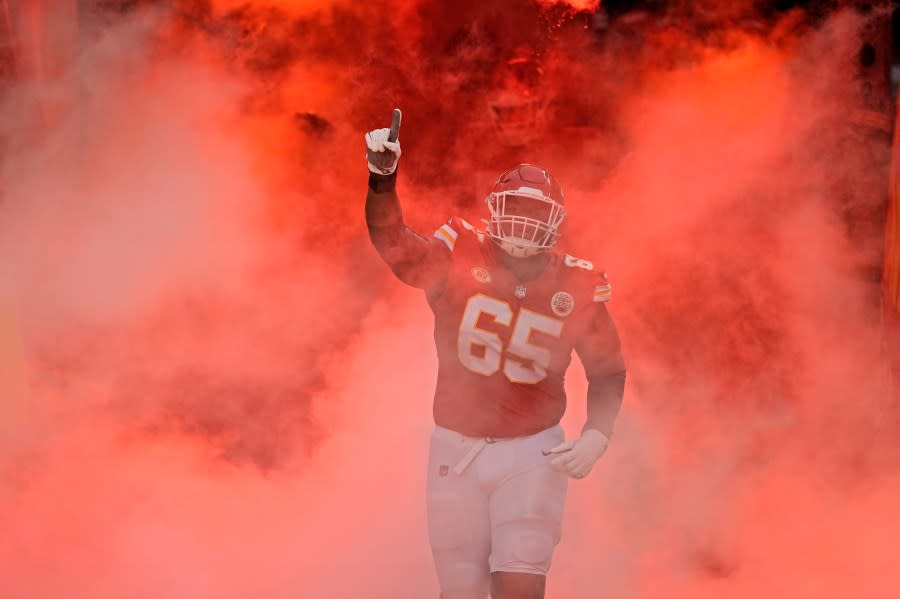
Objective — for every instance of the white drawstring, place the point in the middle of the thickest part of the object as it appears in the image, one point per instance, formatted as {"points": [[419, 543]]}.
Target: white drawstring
{"points": [[470, 456]]}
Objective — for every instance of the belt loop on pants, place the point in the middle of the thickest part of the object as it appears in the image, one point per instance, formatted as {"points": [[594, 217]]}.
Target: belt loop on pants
{"points": [[467, 459]]}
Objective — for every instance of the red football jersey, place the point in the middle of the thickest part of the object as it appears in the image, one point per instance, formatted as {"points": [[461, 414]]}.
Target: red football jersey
{"points": [[503, 344]]}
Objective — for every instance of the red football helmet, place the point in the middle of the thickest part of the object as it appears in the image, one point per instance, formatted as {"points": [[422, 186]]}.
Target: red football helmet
{"points": [[526, 207]]}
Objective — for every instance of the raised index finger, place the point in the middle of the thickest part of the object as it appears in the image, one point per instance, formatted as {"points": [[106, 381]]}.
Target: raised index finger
{"points": [[396, 116]]}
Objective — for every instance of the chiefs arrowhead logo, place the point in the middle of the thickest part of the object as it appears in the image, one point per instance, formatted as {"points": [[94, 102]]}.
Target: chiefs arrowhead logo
{"points": [[481, 274], [562, 303]]}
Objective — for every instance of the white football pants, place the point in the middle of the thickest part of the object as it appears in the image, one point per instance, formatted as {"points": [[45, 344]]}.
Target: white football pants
{"points": [[493, 506]]}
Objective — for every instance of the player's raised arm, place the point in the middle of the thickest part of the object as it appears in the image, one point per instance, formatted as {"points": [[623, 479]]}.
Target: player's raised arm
{"points": [[414, 259]]}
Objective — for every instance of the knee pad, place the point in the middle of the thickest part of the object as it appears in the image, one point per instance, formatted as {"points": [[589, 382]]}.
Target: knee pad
{"points": [[524, 546], [534, 548]]}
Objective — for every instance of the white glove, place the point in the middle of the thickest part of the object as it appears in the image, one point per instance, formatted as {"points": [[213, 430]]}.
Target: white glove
{"points": [[381, 154], [576, 457]]}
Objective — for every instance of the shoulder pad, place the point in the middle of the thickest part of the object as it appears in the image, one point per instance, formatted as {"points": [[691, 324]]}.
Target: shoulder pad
{"points": [[573, 262]]}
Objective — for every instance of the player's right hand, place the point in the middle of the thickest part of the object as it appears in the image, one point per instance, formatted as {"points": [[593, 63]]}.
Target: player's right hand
{"points": [[383, 147]]}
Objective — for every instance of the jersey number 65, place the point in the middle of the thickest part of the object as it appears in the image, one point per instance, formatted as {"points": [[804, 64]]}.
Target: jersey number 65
{"points": [[482, 351]]}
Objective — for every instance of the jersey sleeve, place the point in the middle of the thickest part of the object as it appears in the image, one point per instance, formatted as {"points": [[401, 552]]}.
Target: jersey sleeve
{"points": [[415, 260]]}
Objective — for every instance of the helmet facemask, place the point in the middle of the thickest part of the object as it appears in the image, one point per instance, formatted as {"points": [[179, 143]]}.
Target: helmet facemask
{"points": [[524, 222]]}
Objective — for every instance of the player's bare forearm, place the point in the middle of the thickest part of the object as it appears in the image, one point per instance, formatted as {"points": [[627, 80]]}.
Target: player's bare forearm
{"points": [[604, 398], [382, 204], [384, 219]]}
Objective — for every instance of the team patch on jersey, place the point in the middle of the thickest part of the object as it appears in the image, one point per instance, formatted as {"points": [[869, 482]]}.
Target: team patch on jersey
{"points": [[481, 274], [562, 303], [446, 234]]}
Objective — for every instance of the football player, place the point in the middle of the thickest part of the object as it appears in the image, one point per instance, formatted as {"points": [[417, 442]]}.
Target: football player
{"points": [[508, 311]]}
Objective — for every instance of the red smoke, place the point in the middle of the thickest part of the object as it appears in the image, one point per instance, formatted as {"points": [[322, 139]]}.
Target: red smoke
{"points": [[230, 395]]}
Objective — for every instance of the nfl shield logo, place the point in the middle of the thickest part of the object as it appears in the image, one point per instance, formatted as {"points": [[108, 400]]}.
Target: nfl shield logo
{"points": [[520, 291]]}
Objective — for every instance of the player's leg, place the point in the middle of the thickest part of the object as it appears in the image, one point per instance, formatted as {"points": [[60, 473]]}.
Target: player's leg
{"points": [[459, 526], [516, 585], [526, 519]]}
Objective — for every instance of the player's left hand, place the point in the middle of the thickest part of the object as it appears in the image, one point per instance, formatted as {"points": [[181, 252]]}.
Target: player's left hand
{"points": [[383, 147], [577, 457]]}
